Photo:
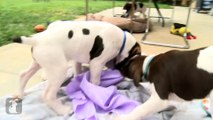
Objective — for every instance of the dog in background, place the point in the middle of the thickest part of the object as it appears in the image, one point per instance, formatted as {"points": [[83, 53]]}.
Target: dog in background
{"points": [[174, 76], [137, 8], [93, 42]]}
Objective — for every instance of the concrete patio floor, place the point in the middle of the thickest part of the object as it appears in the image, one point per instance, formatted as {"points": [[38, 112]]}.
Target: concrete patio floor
{"points": [[16, 57]]}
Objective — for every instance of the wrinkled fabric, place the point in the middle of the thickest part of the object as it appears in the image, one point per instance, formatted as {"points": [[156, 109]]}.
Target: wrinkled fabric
{"points": [[89, 99], [33, 102]]}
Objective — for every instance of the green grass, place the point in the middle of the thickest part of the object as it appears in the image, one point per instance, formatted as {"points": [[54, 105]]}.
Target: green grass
{"points": [[18, 17]]}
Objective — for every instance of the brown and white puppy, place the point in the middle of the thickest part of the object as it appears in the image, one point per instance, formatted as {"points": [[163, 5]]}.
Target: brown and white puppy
{"points": [[136, 7], [93, 42], [174, 76]]}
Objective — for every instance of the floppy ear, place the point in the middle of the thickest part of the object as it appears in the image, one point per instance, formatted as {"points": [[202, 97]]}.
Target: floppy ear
{"points": [[137, 81], [136, 50], [127, 7], [137, 77], [132, 69], [135, 70], [131, 66], [141, 4]]}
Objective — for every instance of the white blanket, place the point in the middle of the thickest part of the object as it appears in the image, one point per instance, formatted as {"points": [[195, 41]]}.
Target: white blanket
{"points": [[33, 108]]}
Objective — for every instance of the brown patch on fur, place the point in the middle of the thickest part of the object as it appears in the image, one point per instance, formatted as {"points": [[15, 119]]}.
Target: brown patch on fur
{"points": [[136, 50], [177, 72], [133, 69], [129, 66]]}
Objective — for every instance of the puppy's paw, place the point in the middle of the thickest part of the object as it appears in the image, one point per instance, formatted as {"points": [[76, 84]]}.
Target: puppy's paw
{"points": [[17, 97]]}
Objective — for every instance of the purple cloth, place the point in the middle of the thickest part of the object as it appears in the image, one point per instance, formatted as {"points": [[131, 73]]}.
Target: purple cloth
{"points": [[88, 98]]}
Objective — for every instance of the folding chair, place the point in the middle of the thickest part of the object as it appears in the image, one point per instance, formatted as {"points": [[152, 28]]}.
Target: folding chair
{"points": [[186, 44]]}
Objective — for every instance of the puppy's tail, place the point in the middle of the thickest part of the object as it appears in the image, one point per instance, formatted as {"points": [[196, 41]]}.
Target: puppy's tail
{"points": [[25, 40]]}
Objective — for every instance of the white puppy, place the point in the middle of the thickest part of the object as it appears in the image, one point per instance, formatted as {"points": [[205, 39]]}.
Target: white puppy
{"points": [[96, 43]]}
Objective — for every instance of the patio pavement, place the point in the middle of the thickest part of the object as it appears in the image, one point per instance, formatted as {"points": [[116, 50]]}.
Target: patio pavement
{"points": [[13, 59], [16, 57]]}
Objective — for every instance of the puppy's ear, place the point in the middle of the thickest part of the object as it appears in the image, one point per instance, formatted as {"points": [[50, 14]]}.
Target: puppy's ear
{"points": [[133, 69], [141, 4], [136, 71], [127, 7], [131, 66], [137, 77], [136, 49]]}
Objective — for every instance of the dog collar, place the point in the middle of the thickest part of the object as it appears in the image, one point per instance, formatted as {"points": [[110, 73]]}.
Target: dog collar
{"points": [[146, 67], [123, 44]]}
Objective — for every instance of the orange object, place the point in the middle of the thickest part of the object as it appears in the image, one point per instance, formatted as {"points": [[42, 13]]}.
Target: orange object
{"points": [[39, 28]]}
